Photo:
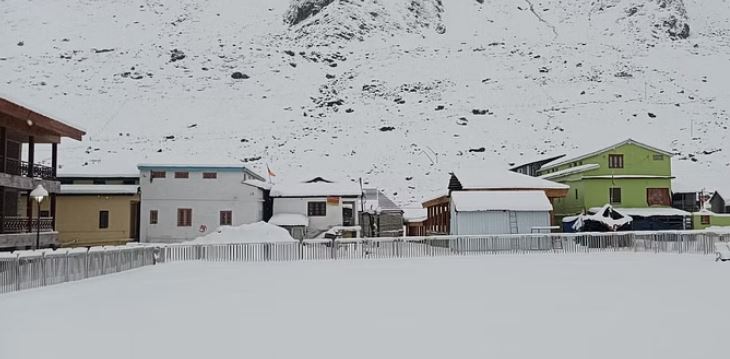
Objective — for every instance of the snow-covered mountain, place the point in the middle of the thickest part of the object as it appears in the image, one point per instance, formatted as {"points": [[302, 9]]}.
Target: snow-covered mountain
{"points": [[398, 92]]}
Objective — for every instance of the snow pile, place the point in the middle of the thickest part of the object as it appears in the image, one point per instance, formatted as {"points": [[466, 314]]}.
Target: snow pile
{"points": [[260, 232], [289, 219], [605, 219]]}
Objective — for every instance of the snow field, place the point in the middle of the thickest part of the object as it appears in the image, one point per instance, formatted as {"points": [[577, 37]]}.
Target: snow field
{"points": [[573, 306]]}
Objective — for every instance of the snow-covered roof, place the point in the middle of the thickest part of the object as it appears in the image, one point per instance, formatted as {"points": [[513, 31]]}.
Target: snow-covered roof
{"points": [[376, 200], [99, 189], [194, 166], [316, 189], [571, 171], [289, 219], [98, 175], [413, 215], [594, 153], [501, 179], [647, 212], [470, 201], [532, 160], [258, 184]]}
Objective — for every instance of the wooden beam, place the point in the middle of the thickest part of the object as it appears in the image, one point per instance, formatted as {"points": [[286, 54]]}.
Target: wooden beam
{"points": [[3, 148], [54, 159], [22, 129], [25, 114], [31, 155]]}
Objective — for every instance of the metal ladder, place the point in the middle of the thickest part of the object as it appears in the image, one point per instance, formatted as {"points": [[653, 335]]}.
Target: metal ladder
{"points": [[513, 229]]}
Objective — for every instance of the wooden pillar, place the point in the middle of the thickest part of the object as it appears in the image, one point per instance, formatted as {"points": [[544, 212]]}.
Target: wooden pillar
{"points": [[54, 159], [31, 155], [3, 148], [2, 208], [53, 211], [29, 211]]}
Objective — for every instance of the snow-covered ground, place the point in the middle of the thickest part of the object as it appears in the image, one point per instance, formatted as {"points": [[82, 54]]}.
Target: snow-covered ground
{"points": [[396, 92], [533, 306]]}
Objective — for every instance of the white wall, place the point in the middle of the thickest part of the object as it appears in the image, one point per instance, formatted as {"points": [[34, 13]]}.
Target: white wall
{"points": [[496, 222], [316, 224], [206, 197]]}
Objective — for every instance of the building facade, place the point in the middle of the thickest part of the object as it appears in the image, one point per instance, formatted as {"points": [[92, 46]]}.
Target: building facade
{"points": [[183, 202], [499, 212], [325, 204], [22, 225], [628, 174]]}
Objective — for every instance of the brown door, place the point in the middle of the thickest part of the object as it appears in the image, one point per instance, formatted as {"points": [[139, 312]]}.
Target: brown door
{"points": [[134, 221]]}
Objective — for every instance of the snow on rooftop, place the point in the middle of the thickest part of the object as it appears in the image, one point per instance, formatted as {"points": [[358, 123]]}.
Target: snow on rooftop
{"points": [[316, 189], [376, 200], [289, 219], [571, 171], [413, 215], [99, 189], [98, 175], [470, 201], [647, 212], [192, 165], [502, 179], [258, 184]]}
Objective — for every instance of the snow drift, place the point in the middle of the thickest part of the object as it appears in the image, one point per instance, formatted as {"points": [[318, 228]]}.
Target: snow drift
{"points": [[260, 232]]}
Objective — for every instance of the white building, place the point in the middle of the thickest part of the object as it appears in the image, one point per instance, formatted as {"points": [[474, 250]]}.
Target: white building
{"points": [[325, 204], [183, 202], [499, 212]]}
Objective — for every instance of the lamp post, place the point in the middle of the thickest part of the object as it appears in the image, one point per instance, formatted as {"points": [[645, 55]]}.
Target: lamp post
{"points": [[39, 193]]}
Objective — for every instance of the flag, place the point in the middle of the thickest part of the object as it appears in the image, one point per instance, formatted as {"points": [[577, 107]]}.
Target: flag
{"points": [[271, 173]]}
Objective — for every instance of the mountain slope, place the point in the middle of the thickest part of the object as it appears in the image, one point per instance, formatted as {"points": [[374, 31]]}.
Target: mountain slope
{"points": [[398, 92]]}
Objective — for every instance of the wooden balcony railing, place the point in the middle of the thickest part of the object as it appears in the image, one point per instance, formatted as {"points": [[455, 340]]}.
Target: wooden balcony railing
{"points": [[17, 224], [22, 168]]}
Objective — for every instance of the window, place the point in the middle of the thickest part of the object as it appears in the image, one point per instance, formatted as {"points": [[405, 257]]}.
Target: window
{"points": [[184, 217], [317, 209], [226, 218], [182, 175], [576, 193], [157, 174], [658, 197], [103, 219], [705, 219], [614, 195], [210, 175], [615, 161], [658, 157], [153, 216]]}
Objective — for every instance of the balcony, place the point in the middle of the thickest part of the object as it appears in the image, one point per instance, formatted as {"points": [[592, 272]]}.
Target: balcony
{"points": [[26, 225], [22, 168]]}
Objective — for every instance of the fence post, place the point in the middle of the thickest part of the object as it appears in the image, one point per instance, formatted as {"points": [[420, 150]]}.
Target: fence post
{"points": [[65, 277], [17, 272], [43, 269], [86, 264]]}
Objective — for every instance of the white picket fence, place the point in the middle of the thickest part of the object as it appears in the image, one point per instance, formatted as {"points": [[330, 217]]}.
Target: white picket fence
{"points": [[34, 269]]}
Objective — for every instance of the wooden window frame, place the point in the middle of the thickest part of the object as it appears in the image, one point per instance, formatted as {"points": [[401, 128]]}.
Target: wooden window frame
{"points": [[210, 175], [705, 219], [184, 217], [611, 195], [182, 175], [616, 160], [104, 219], [317, 209], [154, 216], [667, 196], [226, 218], [157, 174]]}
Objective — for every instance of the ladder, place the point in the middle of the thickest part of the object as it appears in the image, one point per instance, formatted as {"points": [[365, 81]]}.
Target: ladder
{"points": [[513, 229]]}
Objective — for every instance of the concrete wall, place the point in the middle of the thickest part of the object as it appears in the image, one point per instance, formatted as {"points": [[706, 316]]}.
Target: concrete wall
{"points": [[206, 198], [77, 220], [316, 224]]}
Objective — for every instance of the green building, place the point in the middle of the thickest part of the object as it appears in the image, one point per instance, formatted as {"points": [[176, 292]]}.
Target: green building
{"points": [[628, 175]]}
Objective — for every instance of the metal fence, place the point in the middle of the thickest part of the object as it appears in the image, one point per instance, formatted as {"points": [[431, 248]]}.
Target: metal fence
{"points": [[32, 269], [411, 247]]}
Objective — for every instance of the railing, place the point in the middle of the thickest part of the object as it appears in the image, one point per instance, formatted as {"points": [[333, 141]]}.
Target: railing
{"points": [[25, 224], [22, 168], [34, 269], [411, 247]]}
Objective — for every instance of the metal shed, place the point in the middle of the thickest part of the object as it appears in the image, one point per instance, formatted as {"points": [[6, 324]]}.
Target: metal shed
{"points": [[498, 212]]}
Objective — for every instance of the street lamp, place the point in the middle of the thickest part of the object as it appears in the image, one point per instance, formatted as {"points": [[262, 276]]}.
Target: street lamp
{"points": [[39, 193]]}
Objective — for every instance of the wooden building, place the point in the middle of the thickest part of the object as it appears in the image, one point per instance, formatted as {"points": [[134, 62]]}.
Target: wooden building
{"points": [[438, 208], [21, 172]]}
